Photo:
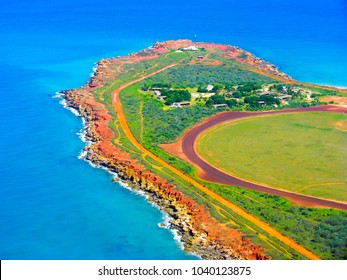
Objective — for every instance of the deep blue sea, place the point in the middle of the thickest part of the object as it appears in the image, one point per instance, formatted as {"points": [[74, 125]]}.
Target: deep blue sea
{"points": [[55, 206]]}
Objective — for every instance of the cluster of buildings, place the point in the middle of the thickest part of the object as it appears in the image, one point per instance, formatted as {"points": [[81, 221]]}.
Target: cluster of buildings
{"points": [[284, 95], [157, 93], [190, 49]]}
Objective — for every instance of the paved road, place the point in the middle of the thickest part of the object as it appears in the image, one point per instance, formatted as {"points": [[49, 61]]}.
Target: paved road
{"points": [[214, 174]]}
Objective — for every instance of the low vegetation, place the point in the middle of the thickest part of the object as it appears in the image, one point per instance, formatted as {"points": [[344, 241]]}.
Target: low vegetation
{"points": [[321, 230], [191, 76], [158, 125]]}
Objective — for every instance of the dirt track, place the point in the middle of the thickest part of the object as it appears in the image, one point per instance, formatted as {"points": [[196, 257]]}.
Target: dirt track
{"points": [[211, 173]]}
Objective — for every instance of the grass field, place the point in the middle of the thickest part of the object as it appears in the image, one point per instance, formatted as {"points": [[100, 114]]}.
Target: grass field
{"points": [[304, 153]]}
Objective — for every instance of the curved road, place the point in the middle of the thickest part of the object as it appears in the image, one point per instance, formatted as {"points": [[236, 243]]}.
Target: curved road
{"points": [[214, 174]]}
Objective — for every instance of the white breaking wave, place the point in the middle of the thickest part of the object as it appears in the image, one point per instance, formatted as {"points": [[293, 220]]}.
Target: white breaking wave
{"points": [[82, 135], [95, 67], [165, 223], [57, 94]]}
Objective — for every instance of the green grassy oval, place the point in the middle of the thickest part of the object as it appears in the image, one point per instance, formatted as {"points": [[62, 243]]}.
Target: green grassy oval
{"points": [[304, 152]]}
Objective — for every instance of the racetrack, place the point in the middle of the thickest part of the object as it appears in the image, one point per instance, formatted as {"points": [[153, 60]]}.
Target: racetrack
{"points": [[213, 174]]}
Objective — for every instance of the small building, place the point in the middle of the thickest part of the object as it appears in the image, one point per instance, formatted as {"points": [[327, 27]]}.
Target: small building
{"points": [[207, 94], [284, 97], [190, 48], [210, 87], [265, 93], [261, 102], [155, 89], [215, 106], [181, 104], [196, 95]]}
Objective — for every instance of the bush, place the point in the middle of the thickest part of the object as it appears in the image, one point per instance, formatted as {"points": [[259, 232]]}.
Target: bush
{"points": [[237, 94]]}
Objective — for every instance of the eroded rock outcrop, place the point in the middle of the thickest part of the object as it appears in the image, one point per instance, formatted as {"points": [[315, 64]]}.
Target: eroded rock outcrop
{"points": [[199, 232]]}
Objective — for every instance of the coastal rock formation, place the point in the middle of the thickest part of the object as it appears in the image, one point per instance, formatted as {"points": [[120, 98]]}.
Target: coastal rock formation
{"points": [[199, 231]]}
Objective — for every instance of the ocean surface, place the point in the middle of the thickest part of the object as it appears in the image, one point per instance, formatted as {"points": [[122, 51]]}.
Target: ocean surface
{"points": [[56, 206]]}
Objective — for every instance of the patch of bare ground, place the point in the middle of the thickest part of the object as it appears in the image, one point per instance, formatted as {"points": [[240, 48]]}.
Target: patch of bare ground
{"points": [[336, 99], [341, 125]]}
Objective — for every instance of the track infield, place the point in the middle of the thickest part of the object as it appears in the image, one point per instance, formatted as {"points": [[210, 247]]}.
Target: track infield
{"points": [[302, 152]]}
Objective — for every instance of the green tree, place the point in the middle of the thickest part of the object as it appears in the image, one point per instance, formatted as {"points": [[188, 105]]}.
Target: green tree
{"points": [[231, 103], [237, 94], [209, 103], [253, 101]]}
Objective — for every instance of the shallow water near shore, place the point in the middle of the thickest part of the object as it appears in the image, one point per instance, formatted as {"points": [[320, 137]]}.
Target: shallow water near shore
{"points": [[56, 206]]}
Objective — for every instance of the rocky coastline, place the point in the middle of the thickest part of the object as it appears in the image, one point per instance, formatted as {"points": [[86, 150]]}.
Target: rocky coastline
{"points": [[199, 232]]}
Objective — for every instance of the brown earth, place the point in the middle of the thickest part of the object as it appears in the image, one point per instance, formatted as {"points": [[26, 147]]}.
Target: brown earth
{"points": [[341, 125], [336, 99]]}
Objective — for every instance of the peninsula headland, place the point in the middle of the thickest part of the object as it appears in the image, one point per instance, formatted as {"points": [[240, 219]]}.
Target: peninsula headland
{"points": [[137, 109]]}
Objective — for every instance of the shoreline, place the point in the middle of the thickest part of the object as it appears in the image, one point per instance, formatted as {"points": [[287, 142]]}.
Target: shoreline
{"points": [[180, 218], [82, 134]]}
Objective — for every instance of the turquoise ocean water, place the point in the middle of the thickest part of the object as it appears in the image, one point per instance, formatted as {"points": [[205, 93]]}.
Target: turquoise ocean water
{"points": [[55, 206]]}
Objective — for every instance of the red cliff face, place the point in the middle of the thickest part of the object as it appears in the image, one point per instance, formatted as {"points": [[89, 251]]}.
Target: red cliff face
{"points": [[199, 231]]}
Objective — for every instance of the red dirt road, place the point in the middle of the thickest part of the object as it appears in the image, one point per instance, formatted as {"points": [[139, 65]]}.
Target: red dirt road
{"points": [[213, 174]]}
